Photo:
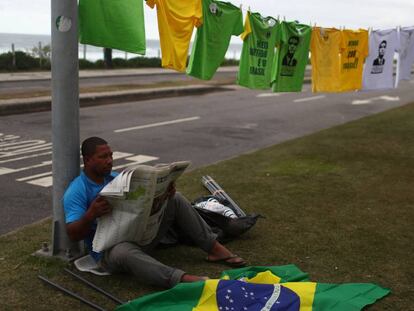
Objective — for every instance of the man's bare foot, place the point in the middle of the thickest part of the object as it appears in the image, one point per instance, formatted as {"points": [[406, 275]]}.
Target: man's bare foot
{"points": [[188, 278], [220, 254]]}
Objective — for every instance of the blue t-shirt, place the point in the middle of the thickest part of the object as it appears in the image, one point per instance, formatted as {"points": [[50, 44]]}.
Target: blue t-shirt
{"points": [[76, 200]]}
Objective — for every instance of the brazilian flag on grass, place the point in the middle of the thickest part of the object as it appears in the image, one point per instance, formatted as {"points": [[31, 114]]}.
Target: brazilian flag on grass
{"points": [[282, 288], [117, 24]]}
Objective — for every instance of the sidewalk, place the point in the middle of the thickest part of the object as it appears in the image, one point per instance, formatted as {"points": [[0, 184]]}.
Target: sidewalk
{"points": [[43, 103], [46, 75], [37, 104]]}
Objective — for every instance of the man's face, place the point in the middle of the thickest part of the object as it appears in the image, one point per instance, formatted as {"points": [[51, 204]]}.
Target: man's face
{"points": [[293, 43], [381, 48], [101, 161]]}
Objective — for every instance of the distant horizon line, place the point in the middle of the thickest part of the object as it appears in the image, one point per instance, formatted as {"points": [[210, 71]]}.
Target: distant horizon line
{"points": [[42, 34]]}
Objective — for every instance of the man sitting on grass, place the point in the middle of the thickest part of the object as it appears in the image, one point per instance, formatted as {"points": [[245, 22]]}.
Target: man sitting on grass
{"points": [[83, 205]]}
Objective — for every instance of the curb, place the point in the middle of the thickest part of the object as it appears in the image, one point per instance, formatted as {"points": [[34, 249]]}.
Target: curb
{"points": [[27, 105]]}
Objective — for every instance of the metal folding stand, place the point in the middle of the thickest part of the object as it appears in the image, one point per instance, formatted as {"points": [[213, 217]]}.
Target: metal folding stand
{"points": [[72, 294], [98, 289], [217, 191], [76, 296]]}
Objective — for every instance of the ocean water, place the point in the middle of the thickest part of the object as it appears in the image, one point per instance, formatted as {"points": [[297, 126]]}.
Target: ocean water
{"points": [[26, 42]]}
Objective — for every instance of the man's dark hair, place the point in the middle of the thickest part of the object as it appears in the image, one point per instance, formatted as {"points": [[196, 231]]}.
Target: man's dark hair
{"points": [[89, 145], [383, 42]]}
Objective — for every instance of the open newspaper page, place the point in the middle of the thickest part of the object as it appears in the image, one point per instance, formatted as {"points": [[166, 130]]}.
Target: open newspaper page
{"points": [[134, 194]]}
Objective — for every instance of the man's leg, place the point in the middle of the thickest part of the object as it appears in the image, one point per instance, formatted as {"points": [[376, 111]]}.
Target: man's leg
{"points": [[129, 257], [180, 212]]}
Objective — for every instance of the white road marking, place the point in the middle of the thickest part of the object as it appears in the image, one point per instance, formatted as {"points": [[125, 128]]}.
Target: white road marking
{"points": [[42, 182], [27, 157], [370, 100], [299, 100], [18, 144], [268, 95], [361, 101], [390, 98], [156, 124], [116, 155], [138, 159], [4, 170], [25, 150], [34, 176], [8, 137]]}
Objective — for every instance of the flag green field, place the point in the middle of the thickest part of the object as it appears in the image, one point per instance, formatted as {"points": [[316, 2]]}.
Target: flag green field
{"points": [[283, 288]]}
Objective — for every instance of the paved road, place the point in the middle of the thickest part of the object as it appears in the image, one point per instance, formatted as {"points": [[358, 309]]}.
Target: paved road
{"points": [[41, 81], [203, 129]]}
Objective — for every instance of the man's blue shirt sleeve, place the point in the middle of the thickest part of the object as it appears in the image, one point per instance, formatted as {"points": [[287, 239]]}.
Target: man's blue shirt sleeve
{"points": [[75, 201]]}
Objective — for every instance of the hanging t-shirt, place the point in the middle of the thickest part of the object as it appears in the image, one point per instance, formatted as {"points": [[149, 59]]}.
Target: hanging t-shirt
{"points": [[326, 45], [292, 57], [221, 20], [406, 55], [176, 20], [259, 41], [379, 69], [353, 53], [113, 24]]}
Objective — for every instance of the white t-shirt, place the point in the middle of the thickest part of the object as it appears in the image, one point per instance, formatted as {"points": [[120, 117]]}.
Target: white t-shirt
{"points": [[379, 69], [406, 55]]}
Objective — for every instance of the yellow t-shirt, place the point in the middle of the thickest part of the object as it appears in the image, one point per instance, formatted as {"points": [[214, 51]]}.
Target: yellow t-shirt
{"points": [[176, 21], [353, 54], [325, 47]]}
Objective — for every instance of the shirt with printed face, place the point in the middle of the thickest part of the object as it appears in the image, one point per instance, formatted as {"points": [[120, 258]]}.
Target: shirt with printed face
{"points": [[113, 24], [259, 42], [221, 20], [353, 53], [406, 55], [176, 21], [379, 67], [291, 57], [326, 45]]}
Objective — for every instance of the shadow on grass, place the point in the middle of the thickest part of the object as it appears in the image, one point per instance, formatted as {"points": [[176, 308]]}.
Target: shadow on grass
{"points": [[339, 204]]}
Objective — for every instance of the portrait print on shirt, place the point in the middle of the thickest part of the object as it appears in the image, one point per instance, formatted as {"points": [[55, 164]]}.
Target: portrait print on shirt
{"points": [[378, 64], [289, 61], [214, 9]]}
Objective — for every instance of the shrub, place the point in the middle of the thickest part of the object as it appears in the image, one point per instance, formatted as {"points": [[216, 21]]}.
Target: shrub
{"points": [[86, 64], [140, 62], [119, 62], [23, 62]]}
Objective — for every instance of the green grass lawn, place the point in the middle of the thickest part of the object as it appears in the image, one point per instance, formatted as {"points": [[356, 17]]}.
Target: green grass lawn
{"points": [[339, 204]]}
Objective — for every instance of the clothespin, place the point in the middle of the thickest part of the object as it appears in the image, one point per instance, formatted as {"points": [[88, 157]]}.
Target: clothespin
{"points": [[278, 18], [241, 7], [249, 9], [284, 18]]}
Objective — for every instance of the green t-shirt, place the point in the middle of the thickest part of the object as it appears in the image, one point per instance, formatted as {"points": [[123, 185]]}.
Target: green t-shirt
{"points": [[259, 41], [113, 24], [291, 58], [221, 20]]}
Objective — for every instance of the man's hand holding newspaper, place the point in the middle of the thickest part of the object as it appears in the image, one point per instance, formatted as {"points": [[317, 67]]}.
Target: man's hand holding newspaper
{"points": [[134, 195]]}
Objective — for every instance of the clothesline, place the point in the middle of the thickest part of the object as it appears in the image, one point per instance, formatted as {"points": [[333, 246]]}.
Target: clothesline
{"points": [[274, 53]]}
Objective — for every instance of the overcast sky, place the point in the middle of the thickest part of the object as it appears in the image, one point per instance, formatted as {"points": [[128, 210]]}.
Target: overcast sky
{"points": [[33, 16]]}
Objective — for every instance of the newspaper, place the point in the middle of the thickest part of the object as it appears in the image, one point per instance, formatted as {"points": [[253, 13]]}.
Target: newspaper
{"points": [[134, 194]]}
